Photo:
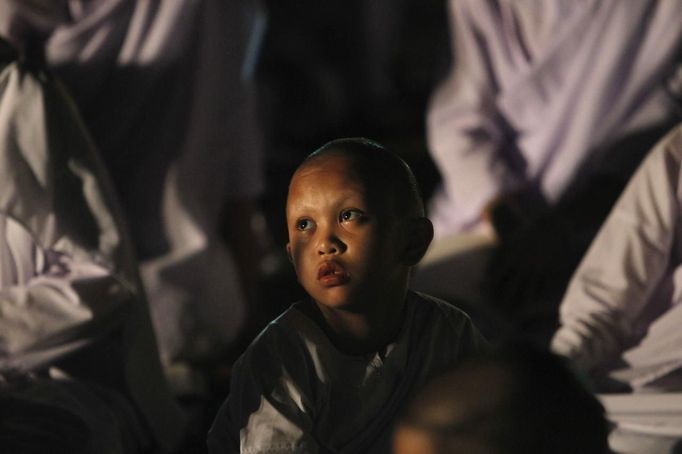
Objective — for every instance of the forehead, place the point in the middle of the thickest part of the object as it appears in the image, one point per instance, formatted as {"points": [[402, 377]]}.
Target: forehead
{"points": [[337, 172]]}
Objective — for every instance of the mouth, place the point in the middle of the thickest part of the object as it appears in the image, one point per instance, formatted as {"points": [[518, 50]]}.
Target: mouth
{"points": [[331, 274]]}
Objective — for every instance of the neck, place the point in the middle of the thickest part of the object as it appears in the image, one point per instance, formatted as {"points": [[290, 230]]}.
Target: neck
{"points": [[364, 332]]}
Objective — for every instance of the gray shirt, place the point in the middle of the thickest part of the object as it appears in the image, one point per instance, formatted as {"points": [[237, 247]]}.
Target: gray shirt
{"points": [[293, 391]]}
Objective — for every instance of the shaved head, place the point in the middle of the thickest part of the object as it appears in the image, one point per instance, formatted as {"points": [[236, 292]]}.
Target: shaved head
{"points": [[381, 169]]}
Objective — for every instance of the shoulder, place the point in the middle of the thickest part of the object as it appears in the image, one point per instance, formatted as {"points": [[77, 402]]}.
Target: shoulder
{"points": [[287, 350], [442, 320], [283, 340], [273, 390], [432, 307], [274, 364]]}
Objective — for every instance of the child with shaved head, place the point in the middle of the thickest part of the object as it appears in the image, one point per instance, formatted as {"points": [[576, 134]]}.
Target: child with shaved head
{"points": [[331, 374]]}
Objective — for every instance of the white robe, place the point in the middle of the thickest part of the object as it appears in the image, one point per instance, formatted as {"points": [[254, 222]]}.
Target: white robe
{"points": [[164, 88], [537, 88], [71, 303], [621, 314]]}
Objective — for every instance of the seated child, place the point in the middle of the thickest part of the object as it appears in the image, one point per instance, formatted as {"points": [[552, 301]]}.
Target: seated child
{"points": [[512, 400], [332, 373]]}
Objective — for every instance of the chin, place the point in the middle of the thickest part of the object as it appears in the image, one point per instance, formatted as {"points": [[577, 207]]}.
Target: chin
{"points": [[333, 303], [333, 299]]}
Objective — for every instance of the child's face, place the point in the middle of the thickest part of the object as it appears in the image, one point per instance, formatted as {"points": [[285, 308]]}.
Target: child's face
{"points": [[343, 241]]}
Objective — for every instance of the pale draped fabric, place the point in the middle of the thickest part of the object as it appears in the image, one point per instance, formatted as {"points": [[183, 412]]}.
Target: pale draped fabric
{"points": [[164, 89], [537, 88], [71, 303], [621, 314]]}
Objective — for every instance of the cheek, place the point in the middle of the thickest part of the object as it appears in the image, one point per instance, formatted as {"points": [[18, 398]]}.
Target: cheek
{"points": [[297, 252], [379, 247]]}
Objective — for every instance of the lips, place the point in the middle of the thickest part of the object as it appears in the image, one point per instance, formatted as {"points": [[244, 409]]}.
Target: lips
{"points": [[331, 274]]}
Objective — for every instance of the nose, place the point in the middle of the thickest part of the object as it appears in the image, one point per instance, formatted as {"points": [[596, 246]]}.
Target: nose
{"points": [[330, 244]]}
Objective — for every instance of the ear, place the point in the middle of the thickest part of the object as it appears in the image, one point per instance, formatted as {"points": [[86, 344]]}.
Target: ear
{"points": [[419, 234]]}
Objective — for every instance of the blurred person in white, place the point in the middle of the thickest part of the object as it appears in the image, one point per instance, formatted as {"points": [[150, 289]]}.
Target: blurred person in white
{"points": [[537, 88], [546, 100], [79, 368], [620, 317], [164, 89]]}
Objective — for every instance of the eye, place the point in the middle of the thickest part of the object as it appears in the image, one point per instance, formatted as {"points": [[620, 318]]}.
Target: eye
{"points": [[304, 224], [351, 215]]}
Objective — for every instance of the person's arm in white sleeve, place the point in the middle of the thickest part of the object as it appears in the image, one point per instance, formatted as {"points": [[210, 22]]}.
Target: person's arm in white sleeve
{"points": [[466, 133], [51, 304], [625, 262]]}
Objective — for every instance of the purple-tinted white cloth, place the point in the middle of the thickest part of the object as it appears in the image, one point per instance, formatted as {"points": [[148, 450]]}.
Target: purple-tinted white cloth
{"points": [[623, 300], [164, 89], [71, 302], [537, 87], [621, 314]]}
